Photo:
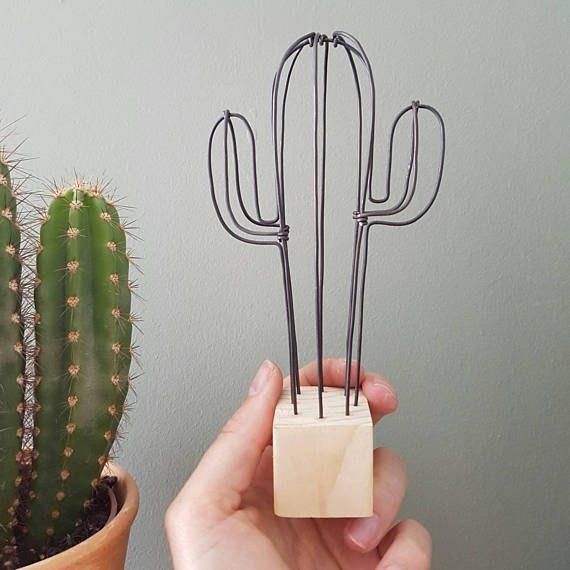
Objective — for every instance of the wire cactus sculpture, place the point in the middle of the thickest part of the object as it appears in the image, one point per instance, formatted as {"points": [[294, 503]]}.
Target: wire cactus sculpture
{"points": [[370, 209]]}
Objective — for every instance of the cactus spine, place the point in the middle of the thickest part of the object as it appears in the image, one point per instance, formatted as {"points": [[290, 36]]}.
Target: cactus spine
{"points": [[12, 364], [83, 336]]}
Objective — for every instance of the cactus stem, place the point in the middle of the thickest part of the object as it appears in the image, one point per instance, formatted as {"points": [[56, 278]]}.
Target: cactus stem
{"points": [[83, 346]]}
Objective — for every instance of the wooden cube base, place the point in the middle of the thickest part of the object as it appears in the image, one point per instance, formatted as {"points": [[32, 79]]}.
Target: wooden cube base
{"points": [[322, 468]]}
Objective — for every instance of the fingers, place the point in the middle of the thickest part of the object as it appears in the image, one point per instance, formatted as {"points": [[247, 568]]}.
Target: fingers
{"points": [[333, 373], [381, 397], [390, 482], [228, 467], [407, 545]]}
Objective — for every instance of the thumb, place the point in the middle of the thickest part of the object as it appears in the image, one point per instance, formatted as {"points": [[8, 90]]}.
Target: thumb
{"points": [[228, 467]]}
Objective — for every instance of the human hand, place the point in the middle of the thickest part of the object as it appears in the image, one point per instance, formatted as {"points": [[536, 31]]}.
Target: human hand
{"points": [[223, 516]]}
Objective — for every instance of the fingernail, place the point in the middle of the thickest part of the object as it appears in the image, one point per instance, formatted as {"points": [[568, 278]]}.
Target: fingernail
{"points": [[382, 383], [379, 381], [365, 533], [393, 567], [261, 377], [386, 398]]}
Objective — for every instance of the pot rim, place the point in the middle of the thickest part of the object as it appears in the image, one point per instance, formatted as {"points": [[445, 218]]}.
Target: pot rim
{"points": [[113, 505], [127, 495]]}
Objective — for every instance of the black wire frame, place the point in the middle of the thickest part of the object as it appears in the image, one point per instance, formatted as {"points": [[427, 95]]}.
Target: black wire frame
{"points": [[256, 229]]}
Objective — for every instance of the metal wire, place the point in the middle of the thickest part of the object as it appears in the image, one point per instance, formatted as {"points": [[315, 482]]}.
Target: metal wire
{"points": [[252, 228]]}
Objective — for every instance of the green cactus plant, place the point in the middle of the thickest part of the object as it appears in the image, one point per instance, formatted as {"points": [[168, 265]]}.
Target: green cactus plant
{"points": [[61, 401], [12, 363], [83, 336]]}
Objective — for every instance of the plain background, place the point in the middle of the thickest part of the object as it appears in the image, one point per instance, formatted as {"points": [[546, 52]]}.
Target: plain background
{"points": [[467, 311]]}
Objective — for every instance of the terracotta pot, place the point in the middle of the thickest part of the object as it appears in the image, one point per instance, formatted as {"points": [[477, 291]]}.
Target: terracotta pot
{"points": [[107, 549]]}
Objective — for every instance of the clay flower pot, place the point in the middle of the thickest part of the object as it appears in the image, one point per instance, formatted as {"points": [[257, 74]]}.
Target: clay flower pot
{"points": [[107, 549]]}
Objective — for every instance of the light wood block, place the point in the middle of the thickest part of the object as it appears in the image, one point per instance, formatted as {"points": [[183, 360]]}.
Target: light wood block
{"points": [[322, 468]]}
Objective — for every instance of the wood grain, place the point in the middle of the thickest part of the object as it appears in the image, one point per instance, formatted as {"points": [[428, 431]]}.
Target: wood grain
{"points": [[322, 467]]}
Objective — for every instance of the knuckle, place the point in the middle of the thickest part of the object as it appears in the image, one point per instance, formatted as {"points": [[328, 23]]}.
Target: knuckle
{"points": [[419, 529], [252, 515], [232, 426], [392, 469], [171, 516], [420, 542]]}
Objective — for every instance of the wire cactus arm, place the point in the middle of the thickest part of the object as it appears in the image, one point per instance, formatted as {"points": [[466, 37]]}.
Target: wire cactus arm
{"points": [[224, 209], [365, 215], [271, 232], [248, 224]]}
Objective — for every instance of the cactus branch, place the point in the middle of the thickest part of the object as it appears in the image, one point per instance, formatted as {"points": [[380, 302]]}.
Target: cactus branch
{"points": [[12, 363], [84, 329]]}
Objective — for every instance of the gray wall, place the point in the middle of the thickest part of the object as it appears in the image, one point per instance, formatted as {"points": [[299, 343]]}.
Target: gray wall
{"points": [[469, 309]]}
